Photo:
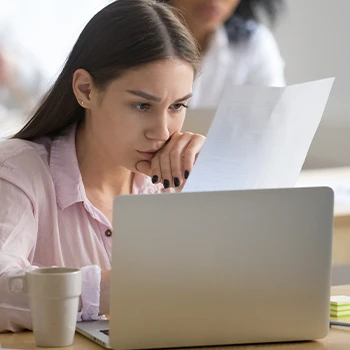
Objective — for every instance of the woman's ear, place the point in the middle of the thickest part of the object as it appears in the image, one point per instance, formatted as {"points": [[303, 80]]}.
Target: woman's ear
{"points": [[83, 87]]}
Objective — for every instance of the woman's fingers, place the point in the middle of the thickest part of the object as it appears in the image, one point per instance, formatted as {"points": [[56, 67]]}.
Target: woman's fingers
{"points": [[190, 154], [155, 168], [161, 164], [173, 163], [176, 158]]}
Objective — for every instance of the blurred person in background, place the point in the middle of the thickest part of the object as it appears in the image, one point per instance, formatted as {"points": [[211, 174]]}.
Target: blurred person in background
{"points": [[20, 84], [19, 81], [27, 67], [236, 47]]}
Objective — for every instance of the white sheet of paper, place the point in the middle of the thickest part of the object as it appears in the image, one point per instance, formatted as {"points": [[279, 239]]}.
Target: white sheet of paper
{"points": [[259, 137]]}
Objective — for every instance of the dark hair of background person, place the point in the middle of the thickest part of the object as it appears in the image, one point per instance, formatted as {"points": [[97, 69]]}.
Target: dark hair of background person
{"points": [[248, 14], [243, 22], [124, 35]]}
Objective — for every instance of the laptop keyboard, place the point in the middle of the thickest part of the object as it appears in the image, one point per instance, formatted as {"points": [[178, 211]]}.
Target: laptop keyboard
{"points": [[105, 331]]}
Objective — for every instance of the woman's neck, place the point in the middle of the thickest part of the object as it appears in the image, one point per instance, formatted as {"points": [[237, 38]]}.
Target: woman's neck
{"points": [[99, 176], [202, 37]]}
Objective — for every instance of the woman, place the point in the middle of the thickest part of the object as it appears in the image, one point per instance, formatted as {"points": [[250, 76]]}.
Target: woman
{"points": [[110, 125], [236, 49]]}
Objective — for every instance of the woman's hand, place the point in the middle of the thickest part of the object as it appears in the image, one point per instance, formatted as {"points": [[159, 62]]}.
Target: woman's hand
{"points": [[173, 163]]}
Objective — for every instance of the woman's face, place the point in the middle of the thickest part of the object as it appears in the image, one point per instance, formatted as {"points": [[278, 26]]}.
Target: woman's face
{"points": [[138, 112], [206, 15]]}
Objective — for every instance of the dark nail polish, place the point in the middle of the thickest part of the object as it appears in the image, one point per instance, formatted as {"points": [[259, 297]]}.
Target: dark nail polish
{"points": [[187, 174], [176, 182], [154, 179], [166, 183]]}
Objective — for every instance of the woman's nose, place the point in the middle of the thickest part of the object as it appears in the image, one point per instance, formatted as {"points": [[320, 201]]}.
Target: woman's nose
{"points": [[159, 129]]}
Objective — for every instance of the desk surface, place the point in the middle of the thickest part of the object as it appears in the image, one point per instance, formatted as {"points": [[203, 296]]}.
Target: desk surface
{"points": [[337, 339]]}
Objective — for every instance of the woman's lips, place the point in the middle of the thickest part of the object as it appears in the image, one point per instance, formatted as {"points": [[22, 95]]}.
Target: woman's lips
{"points": [[147, 155]]}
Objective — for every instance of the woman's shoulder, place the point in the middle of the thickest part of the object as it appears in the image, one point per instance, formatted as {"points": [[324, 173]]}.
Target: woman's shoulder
{"points": [[261, 58], [12, 150], [23, 163], [263, 37], [261, 40]]}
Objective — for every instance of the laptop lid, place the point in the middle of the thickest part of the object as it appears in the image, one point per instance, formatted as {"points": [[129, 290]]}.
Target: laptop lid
{"points": [[216, 268]]}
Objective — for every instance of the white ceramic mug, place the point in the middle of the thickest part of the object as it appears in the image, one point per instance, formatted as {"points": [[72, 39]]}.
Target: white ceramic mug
{"points": [[54, 300]]}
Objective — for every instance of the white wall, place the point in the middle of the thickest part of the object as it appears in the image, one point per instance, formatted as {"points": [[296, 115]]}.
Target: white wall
{"points": [[46, 29], [314, 38]]}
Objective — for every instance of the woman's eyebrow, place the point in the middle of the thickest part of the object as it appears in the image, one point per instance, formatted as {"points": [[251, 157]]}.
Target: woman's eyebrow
{"points": [[184, 98], [144, 95], [152, 98]]}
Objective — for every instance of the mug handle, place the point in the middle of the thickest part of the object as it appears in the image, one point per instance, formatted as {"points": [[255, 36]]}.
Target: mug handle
{"points": [[11, 279]]}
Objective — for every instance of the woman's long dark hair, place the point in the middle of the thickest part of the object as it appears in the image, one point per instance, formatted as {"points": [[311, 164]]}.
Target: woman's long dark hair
{"points": [[124, 35]]}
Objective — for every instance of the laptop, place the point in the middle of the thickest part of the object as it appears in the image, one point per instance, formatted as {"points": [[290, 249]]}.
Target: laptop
{"points": [[219, 268]]}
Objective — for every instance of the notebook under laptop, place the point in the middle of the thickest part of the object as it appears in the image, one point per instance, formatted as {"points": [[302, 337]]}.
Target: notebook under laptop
{"points": [[217, 268]]}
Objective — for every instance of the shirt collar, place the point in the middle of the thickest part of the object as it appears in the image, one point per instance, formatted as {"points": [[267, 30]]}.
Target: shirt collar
{"points": [[143, 185], [65, 170], [66, 174]]}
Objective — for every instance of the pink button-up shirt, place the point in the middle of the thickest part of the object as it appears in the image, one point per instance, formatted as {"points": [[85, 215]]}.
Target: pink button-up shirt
{"points": [[46, 218]]}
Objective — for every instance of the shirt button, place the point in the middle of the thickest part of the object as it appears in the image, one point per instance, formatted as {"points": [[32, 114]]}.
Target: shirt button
{"points": [[108, 233]]}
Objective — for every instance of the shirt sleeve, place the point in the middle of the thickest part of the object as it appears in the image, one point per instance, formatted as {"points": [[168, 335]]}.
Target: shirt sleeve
{"points": [[18, 233], [90, 294], [267, 64], [18, 236]]}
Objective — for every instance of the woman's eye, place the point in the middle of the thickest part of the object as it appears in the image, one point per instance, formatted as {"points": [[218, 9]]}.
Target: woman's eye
{"points": [[142, 106], [178, 106]]}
